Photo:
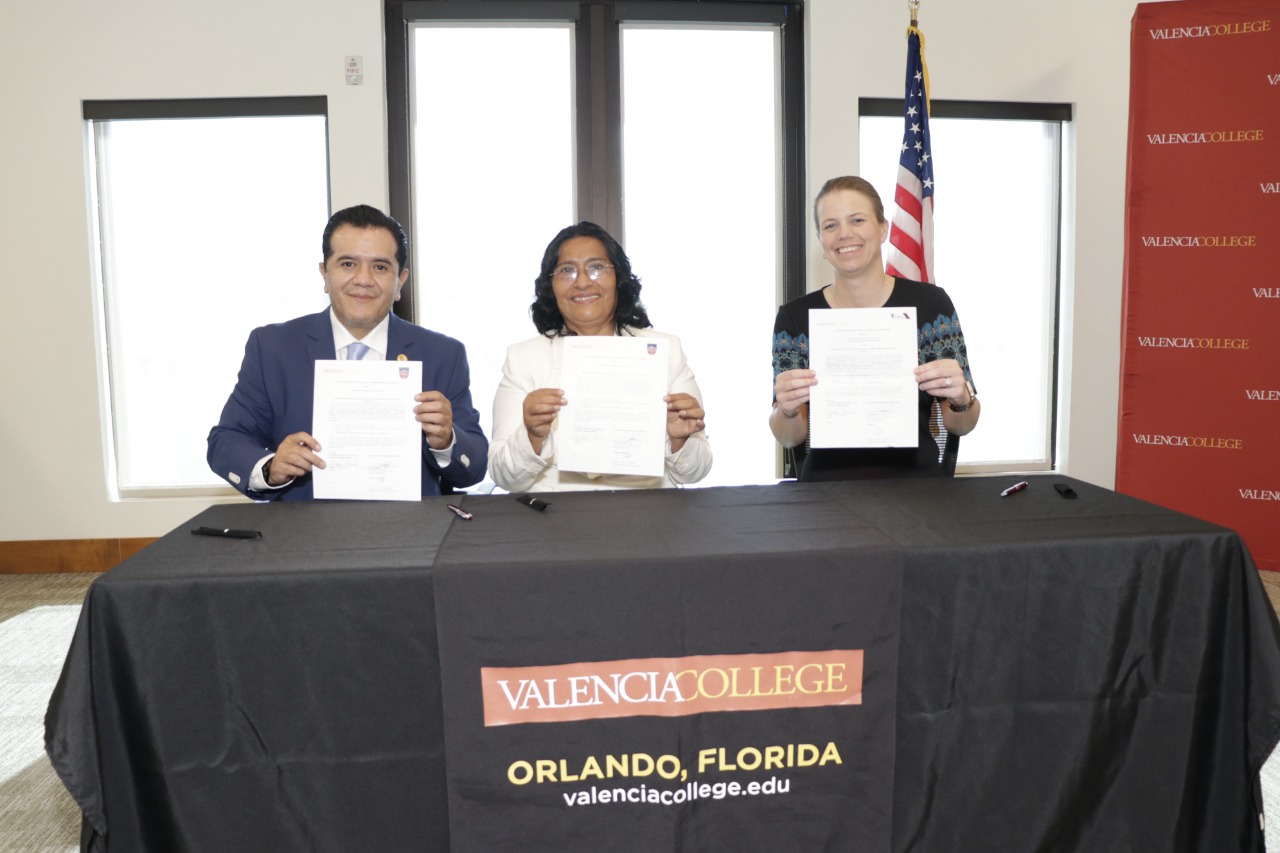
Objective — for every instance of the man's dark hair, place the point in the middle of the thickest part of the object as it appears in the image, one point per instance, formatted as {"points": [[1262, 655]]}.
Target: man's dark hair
{"points": [[364, 216], [628, 311]]}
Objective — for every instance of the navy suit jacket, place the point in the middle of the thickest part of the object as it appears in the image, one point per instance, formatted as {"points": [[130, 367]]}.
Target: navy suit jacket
{"points": [[273, 397]]}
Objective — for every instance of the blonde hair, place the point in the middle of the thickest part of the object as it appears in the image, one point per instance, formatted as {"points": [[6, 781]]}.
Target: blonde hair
{"points": [[849, 182]]}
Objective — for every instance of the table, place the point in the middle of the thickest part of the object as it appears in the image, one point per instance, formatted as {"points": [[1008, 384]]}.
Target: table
{"points": [[1089, 674]]}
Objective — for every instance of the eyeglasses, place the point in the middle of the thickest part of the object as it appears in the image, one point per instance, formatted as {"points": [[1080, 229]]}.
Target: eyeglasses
{"points": [[568, 273]]}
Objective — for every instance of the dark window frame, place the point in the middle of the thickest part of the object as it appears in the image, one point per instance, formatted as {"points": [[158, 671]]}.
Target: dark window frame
{"points": [[179, 108], [987, 110], [598, 99]]}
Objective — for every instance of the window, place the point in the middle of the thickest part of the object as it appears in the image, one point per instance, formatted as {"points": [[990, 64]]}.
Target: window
{"points": [[701, 177], [493, 180], [997, 222], [206, 214], [655, 120]]}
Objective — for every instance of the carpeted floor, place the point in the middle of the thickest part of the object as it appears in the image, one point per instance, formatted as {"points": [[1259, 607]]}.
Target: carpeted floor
{"points": [[38, 614]]}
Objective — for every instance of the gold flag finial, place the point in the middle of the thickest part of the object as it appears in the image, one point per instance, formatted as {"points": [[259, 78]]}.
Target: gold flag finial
{"points": [[913, 6]]}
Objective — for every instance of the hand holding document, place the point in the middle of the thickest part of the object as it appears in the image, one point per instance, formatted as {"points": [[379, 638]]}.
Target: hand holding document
{"points": [[372, 442], [866, 394], [615, 421]]}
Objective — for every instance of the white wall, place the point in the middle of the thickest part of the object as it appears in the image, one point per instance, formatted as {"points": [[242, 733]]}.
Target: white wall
{"points": [[57, 54], [62, 53]]}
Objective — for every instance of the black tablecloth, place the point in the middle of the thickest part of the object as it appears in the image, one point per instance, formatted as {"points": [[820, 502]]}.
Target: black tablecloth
{"points": [[1089, 674], [708, 573]]}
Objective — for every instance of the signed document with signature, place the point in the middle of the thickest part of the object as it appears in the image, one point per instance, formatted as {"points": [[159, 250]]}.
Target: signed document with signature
{"points": [[615, 421], [363, 417], [866, 394]]}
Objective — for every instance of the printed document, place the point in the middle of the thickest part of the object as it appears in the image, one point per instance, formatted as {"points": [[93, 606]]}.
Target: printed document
{"points": [[615, 421], [363, 418], [866, 394]]}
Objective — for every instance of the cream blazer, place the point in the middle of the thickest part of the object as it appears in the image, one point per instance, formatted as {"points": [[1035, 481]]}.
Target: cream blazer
{"points": [[536, 363]]}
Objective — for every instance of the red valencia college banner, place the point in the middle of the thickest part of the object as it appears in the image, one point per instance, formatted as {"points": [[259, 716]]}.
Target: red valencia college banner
{"points": [[1200, 367]]}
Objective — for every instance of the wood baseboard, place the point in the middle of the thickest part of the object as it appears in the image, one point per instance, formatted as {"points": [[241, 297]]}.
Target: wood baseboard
{"points": [[33, 556]]}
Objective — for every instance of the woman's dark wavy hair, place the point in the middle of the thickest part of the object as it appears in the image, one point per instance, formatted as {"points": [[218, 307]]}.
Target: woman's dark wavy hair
{"points": [[546, 313]]}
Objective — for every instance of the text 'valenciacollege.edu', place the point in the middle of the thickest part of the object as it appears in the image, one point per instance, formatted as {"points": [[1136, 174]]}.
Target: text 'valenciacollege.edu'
{"points": [[691, 792]]}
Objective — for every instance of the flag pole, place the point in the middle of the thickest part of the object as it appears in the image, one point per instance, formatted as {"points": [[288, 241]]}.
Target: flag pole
{"points": [[911, 232], [910, 249], [913, 8]]}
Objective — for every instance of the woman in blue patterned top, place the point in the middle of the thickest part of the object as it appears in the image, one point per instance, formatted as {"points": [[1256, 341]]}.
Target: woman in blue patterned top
{"points": [[851, 226]]}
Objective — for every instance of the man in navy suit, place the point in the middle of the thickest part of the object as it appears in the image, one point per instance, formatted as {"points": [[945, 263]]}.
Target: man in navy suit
{"points": [[263, 445]]}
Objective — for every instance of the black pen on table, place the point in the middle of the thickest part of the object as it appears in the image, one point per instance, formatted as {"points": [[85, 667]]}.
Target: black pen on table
{"points": [[1016, 487]]}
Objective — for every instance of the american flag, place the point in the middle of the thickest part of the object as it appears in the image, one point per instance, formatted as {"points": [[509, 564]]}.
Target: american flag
{"points": [[911, 234]]}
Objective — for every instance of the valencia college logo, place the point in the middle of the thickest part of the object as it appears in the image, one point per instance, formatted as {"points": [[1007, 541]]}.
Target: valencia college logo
{"points": [[1200, 137], [1198, 441], [670, 687], [1193, 343], [1210, 30], [1203, 241], [1262, 395]]}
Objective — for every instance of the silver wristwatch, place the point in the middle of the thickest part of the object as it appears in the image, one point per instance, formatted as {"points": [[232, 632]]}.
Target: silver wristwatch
{"points": [[973, 395]]}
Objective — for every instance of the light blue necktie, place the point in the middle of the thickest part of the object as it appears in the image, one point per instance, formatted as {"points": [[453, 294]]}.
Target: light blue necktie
{"points": [[356, 351]]}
